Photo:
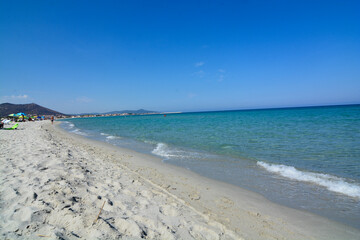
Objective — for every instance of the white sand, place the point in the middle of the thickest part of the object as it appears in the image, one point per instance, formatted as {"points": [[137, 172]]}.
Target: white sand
{"points": [[53, 185]]}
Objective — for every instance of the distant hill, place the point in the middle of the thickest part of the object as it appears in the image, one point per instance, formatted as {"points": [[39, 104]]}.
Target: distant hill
{"points": [[140, 111], [31, 108]]}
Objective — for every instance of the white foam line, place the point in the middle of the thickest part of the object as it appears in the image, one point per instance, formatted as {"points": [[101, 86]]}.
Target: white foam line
{"points": [[77, 131], [332, 183], [163, 150], [112, 137]]}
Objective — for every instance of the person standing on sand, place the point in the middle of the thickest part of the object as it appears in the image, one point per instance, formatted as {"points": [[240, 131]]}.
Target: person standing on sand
{"points": [[52, 119]]}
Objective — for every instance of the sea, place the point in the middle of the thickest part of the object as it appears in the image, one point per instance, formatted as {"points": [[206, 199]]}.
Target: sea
{"points": [[305, 158]]}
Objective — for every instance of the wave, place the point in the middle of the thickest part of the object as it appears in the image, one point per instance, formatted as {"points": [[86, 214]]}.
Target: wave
{"points": [[332, 183], [69, 125], [77, 131], [104, 134], [163, 150], [112, 137]]}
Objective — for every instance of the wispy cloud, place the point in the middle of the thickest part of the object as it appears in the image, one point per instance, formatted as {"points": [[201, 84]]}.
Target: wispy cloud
{"points": [[199, 64], [199, 74], [221, 78], [221, 75], [15, 97], [83, 99], [18, 97]]}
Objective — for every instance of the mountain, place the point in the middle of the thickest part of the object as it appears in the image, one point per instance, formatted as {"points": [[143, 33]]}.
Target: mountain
{"points": [[31, 108]]}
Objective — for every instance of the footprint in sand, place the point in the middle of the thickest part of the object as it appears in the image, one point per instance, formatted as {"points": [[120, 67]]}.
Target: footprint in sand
{"points": [[224, 203], [169, 211], [147, 194], [23, 214], [202, 232]]}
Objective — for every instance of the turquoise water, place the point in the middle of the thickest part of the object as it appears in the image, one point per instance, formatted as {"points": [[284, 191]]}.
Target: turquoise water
{"points": [[306, 158]]}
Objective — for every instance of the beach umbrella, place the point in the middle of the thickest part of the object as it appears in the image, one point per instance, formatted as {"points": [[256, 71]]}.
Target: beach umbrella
{"points": [[20, 114], [13, 115]]}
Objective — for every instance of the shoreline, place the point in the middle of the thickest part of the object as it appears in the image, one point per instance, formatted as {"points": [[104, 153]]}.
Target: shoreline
{"points": [[321, 193], [169, 196]]}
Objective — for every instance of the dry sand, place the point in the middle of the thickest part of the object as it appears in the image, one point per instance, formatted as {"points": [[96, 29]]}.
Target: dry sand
{"points": [[54, 184]]}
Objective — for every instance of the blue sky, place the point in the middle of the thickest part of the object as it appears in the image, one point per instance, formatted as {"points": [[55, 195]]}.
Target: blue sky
{"points": [[98, 56]]}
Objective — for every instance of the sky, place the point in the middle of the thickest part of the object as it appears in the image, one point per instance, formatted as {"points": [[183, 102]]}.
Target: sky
{"points": [[100, 56]]}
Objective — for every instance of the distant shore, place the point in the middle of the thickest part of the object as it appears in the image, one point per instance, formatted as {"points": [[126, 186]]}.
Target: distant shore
{"points": [[59, 185]]}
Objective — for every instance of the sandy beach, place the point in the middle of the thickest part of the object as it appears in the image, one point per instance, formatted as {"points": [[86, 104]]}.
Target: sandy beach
{"points": [[57, 185]]}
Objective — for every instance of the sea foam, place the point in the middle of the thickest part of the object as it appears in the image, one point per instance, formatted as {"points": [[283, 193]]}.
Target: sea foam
{"points": [[332, 183], [163, 150], [112, 137], [77, 131], [69, 125]]}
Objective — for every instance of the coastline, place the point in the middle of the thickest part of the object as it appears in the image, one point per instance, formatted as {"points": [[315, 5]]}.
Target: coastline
{"points": [[144, 197]]}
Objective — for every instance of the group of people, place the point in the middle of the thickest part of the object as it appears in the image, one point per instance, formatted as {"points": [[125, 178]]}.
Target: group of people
{"points": [[22, 118]]}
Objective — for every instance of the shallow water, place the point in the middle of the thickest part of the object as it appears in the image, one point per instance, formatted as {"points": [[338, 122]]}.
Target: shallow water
{"points": [[306, 158]]}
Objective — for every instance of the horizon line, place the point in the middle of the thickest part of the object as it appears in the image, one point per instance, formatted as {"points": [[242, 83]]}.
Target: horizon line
{"points": [[205, 111]]}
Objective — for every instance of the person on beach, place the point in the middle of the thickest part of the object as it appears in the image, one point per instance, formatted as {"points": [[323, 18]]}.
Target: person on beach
{"points": [[52, 119]]}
